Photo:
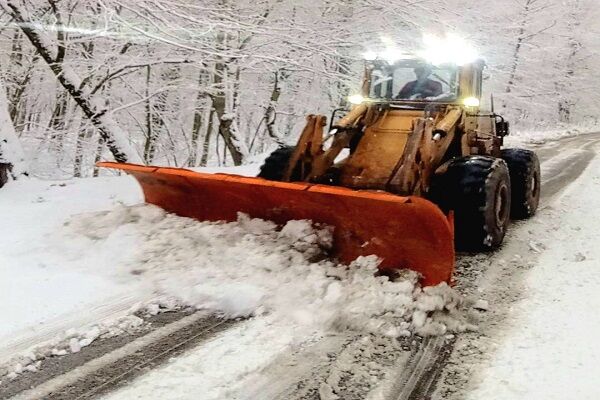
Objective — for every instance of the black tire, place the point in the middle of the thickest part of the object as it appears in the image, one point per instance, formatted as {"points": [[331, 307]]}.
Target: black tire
{"points": [[477, 189], [525, 180], [276, 163]]}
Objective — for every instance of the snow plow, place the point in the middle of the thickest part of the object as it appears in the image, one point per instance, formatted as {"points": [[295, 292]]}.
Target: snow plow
{"points": [[412, 171]]}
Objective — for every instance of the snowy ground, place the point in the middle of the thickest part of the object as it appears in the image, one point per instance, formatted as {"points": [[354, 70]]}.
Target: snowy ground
{"points": [[79, 255], [551, 350], [43, 291], [38, 261], [538, 340], [84, 259]]}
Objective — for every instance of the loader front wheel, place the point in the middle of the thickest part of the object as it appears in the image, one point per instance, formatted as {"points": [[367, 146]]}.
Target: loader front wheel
{"points": [[478, 190], [276, 164], [525, 178]]}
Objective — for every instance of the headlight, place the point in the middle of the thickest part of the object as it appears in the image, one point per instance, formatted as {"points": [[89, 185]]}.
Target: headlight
{"points": [[356, 99], [471, 102]]}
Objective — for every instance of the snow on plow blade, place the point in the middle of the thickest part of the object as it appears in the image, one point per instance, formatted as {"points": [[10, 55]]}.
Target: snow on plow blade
{"points": [[406, 232]]}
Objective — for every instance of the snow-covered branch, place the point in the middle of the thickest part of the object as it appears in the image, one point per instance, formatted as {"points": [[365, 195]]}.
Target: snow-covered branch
{"points": [[115, 139]]}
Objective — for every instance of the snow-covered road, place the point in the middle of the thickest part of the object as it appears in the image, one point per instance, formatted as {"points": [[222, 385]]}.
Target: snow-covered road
{"points": [[352, 327], [540, 338], [551, 348], [43, 290], [141, 254], [50, 283]]}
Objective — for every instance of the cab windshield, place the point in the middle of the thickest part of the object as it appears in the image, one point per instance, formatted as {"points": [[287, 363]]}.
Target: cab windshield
{"points": [[414, 80]]}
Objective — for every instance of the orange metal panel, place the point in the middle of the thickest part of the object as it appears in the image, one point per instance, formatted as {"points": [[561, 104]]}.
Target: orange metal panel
{"points": [[379, 150], [406, 232]]}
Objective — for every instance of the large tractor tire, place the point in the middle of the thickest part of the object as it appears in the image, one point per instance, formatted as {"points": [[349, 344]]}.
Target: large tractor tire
{"points": [[525, 180], [478, 190], [276, 164]]}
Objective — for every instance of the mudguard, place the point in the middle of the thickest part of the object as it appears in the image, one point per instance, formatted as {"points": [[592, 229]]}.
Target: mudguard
{"points": [[405, 232]]}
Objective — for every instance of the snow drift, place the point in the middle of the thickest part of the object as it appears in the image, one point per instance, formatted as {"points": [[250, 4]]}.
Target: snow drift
{"points": [[252, 268], [247, 268]]}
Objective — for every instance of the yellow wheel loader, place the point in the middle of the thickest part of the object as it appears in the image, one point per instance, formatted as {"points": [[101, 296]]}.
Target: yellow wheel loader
{"points": [[414, 169]]}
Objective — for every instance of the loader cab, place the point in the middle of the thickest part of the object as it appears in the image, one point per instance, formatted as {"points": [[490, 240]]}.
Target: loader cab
{"points": [[447, 111], [404, 84]]}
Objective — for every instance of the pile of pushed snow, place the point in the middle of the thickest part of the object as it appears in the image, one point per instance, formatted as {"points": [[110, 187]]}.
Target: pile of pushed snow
{"points": [[252, 268]]}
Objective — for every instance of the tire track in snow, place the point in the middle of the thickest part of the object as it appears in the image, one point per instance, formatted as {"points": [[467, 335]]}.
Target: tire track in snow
{"points": [[112, 308], [563, 166], [420, 373], [118, 367], [291, 375], [421, 364]]}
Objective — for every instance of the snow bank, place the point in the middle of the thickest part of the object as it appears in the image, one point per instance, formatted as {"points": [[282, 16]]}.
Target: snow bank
{"points": [[247, 268], [48, 288], [34, 270], [528, 137], [277, 276], [252, 268]]}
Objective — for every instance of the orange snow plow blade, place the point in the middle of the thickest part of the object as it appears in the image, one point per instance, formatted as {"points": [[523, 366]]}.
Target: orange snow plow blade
{"points": [[405, 232]]}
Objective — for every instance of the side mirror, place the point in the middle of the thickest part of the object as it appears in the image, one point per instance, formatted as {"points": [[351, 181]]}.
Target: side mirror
{"points": [[502, 127]]}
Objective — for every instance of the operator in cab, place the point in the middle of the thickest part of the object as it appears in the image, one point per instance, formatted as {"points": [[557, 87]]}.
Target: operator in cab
{"points": [[423, 87]]}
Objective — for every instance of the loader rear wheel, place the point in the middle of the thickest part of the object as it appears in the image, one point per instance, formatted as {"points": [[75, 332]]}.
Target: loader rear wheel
{"points": [[276, 163], [525, 180], [478, 189]]}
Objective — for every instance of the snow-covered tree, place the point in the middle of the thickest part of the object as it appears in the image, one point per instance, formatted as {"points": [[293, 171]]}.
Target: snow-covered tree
{"points": [[190, 83], [54, 54]]}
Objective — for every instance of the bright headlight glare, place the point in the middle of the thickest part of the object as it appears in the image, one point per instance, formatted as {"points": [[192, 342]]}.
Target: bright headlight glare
{"points": [[449, 49], [370, 56], [391, 53], [471, 102], [356, 99]]}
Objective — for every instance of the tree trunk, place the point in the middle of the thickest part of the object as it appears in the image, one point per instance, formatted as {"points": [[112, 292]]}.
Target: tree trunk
{"points": [[207, 138], [56, 125], [197, 124], [11, 153], [82, 136], [98, 155], [150, 135], [517, 51], [270, 111], [219, 104], [566, 103]]}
